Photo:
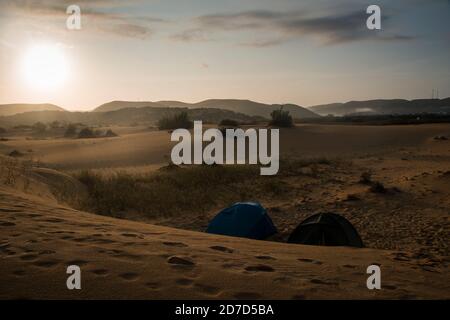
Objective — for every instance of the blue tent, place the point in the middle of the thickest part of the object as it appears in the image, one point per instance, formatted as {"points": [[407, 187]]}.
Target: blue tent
{"points": [[243, 219]]}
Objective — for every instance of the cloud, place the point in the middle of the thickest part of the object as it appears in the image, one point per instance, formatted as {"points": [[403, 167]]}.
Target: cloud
{"points": [[274, 28], [128, 30], [190, 35], [94, 12]]}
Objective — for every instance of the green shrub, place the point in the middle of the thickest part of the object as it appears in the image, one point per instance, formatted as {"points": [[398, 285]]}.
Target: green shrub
{"points": [[366, 178], [177, 121], [378, 187], [281, 118], [39, 127], [86, 133], [71, 130], [110, 133]]}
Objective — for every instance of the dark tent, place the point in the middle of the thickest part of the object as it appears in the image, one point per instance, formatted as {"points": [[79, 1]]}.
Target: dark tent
{"points": [[326, 229], [243, 219]]}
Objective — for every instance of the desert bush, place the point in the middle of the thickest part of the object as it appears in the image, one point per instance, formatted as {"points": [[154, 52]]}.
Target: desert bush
{"points": [[281, 118], [366, 178], [11, 169], [71, 130], [229, 123], [166, 192], [110, 133], [16, 154], [39, 127], [55, 124], [352, 197], [2, 130], [86, 133], [178, 190], [177, 121], [22, 127], [378, 187]]}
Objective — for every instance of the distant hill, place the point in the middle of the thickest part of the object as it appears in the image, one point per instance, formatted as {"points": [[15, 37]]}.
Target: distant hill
{"points": [[247, 107], [11, 109], [117, 105], [395, 106], [128, 116]]}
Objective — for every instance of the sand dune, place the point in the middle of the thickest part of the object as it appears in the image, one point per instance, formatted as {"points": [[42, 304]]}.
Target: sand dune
{"points": [[405, 230], [123, 259]]}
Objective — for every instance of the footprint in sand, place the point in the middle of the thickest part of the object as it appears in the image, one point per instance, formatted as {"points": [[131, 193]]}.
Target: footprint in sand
{"points": [[46, 263], [34, 215], [9, 210], [282, 279], [132, 235], [319, 281], [152, 285], [29, 257], [182, 261], [7, 224], [153, 233], [184, 281], [128, 256], [9, 252], [265, 258], [222, 249], [260, 268], [4, 247], [310, 261], [44, 252], [207, 289], [232, 265], [100, 272], [77, 262], [389, 287], [175, 244], [129, 276], [103, 241], [53, 220]]}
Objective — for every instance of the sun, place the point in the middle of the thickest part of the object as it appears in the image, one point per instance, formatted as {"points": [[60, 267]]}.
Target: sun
{"points": [[44, 67]]}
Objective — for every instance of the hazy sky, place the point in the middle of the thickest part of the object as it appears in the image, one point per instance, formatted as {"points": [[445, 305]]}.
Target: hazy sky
{"points": [[279, 51]]}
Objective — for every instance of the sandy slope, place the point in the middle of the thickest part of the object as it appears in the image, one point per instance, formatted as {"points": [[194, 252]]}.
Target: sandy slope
{"points": [[123, 259], [39, 238]]}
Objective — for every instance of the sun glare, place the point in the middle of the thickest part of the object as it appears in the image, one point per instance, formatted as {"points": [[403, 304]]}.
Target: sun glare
{"points": [[45, 67]]}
